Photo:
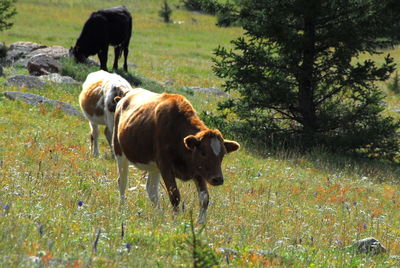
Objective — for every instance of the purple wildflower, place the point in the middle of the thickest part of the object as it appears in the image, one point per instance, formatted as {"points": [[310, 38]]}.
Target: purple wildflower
{"points": [[80, 203], [41, 229], [128, 246]]}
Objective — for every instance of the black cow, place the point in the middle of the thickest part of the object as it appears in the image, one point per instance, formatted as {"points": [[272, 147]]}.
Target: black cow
{"points": [[111, 26]]}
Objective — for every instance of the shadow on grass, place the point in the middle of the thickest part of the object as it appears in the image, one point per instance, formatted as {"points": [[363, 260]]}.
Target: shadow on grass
{"points": [[320, 157], [79, 72]]}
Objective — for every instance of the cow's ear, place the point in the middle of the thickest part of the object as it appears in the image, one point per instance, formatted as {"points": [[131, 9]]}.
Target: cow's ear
{"points": [[191, 142], [231, 146]]}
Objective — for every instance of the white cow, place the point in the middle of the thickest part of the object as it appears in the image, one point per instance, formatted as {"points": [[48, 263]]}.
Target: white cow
{"points": [[98, 105]]}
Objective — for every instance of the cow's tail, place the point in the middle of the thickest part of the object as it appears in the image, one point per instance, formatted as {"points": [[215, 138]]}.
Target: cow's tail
{"points": [[113, 97]]}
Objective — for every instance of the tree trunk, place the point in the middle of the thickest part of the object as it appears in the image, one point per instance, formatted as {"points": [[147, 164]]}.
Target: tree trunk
{"points": [[305, 78]]}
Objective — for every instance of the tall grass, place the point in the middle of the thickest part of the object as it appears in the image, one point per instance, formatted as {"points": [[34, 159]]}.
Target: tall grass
{"points": [[59, 206]]}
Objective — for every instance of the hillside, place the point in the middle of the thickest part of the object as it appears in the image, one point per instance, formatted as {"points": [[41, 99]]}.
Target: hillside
{"points": [[280, 209]]}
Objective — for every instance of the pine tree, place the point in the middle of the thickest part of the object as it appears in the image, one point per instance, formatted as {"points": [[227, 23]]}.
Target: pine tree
{"points": [[7, 11], [165, 12], [299, 71]]}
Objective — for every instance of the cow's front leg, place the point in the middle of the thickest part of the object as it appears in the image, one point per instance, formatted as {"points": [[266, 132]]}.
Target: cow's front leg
{"points": [[173, 192], [103, 54], [203, 200], [123, 164]]}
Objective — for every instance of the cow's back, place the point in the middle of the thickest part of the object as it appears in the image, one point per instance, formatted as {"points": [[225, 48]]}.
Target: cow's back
{"points": [[151, 125], [135, 125], [106, 26], [119, 24], [91, 95]]}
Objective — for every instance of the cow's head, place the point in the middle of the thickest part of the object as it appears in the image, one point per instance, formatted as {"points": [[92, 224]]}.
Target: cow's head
{"points": [[77, 54], [207, 150]]}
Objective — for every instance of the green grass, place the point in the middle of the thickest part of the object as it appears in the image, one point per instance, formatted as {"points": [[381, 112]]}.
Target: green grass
{"points": [[306, 209]]}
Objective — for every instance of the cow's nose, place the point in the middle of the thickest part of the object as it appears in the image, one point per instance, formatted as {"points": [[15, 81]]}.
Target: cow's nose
{"points": [[217, 181]]}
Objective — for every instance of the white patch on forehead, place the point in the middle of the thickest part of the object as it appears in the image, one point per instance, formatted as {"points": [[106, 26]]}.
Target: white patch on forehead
{"points": [[215, 146]]}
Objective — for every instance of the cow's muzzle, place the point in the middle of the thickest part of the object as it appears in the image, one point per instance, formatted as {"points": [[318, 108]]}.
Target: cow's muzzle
{"points": [[217, 181]]}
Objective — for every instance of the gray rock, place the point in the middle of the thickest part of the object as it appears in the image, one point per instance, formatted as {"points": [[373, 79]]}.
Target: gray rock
{"points": [[58, 79], [228, 251], [34, 99], [17, 52], [24, 81], [55, 52], [211, 90], [368, 246], [43, 64], [264, 253], [91, 62], [169, 82]]}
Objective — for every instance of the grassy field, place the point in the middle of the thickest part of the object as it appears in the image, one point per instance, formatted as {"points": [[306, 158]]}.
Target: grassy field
{"points": [[56, 200]]}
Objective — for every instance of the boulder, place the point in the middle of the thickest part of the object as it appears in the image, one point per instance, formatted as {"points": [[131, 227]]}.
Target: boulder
{"points": [[368, 246], [55, 52], [34, 99], [210, 90], [43, 64], [24, 81], [58, 79], [17, 52]]}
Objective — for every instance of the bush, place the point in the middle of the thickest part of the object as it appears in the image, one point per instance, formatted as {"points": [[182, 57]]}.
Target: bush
{"points": [[7, 11], [165, 12], [227, 15], [76, 70], [206, 6], [3, 50], [395, 84], [196, 249]]}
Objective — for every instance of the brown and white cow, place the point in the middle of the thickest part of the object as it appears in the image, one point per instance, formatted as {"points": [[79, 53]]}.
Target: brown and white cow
{"points": [[161, 134], [98, 105]]}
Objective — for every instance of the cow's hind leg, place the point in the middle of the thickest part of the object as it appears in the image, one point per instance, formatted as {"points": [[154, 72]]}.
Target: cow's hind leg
{"points": [[123, 165], [152, 185], [126, 51], [108, 134], [117, 54], [94, 135], [103, 54]]}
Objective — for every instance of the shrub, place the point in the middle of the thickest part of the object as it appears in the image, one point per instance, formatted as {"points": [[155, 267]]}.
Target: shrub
{"points": [[227, 15], [75, 70], [201, 255], [7, 11], [395, 84], [3, 50], [165, 12], [206, 6]]}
